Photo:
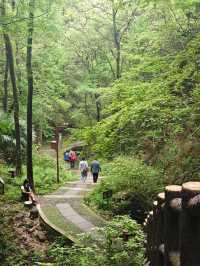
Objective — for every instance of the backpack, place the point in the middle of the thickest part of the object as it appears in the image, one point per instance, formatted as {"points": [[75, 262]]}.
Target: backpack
{"points": [[73, 156], [66, 156], [84, 167]]}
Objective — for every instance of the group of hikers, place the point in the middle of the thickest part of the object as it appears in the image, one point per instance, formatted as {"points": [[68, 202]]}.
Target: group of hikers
{"points": [[94, 168], [71, 158]]}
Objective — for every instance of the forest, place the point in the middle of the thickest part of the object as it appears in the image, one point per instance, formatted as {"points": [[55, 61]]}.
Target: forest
{"points": [[121, 76]]}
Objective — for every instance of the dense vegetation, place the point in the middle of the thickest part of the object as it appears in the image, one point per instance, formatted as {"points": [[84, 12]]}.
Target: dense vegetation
{"points": [[123, 74], [115, 248], [13, 248], [45, 177], [126, 70], [134, 186]]}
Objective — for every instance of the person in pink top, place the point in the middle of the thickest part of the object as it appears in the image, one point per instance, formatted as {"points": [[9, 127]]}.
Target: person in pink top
{"points": [[72, 158]]}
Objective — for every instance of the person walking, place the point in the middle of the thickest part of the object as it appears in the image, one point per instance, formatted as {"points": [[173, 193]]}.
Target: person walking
{"points": [[72, 158], [95, 169], [66, 158], [83, 167]]}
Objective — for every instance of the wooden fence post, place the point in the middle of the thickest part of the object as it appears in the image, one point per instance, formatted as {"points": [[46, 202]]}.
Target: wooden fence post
{"points": [[190, 224], [149, 230], [159, 231], [172, 212]]}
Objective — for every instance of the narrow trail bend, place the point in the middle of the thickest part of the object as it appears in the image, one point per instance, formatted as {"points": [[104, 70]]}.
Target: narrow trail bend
{"points": [[65, 211]]}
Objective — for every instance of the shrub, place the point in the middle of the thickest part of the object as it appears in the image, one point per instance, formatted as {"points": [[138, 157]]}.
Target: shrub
{"points": [[7, 138], [134, 187], [44, 176], [122, 243], [45, 173]]}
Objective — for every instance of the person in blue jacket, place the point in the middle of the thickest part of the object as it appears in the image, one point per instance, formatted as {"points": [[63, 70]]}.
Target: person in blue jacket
{"points": [[67, 157], [95, 169]]}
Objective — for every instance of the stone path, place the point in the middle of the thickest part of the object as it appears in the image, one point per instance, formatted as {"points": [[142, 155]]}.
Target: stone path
{"points": [[69, 213], [65, 211]]}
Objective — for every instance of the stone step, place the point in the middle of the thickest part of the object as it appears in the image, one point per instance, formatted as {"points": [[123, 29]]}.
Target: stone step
{"points": [[70, 214], [63, 196], [74, 188]]}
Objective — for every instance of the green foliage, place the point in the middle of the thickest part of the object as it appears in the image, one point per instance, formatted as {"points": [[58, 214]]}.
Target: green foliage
{"points": [[44, 176], [134, 187], [45, 173], [7, 138], [154, 107], [152, 111], [8, 247], [121, 243], [11, 251], [7, 142]]}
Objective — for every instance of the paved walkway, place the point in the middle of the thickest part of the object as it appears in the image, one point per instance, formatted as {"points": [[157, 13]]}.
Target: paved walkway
{"points": [[70, 214], [65, 209]]}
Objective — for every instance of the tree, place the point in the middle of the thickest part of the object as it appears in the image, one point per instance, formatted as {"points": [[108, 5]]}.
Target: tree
{"points": [[119, 15], [30, 93], [5, 86], [10, 60]]}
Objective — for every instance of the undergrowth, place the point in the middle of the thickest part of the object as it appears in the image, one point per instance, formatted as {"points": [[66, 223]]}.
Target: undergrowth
{"points": [[44, 176], [11, 250], [134, 185], [121, 243]]}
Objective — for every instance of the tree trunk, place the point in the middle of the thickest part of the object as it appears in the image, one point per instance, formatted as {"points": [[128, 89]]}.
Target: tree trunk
{"points": [[5, 86], [10, 59], [98, 107], [30, 94], [39, 134], [18, 71], [17, 57], [116, 35], [13, 4], [86, 109]]}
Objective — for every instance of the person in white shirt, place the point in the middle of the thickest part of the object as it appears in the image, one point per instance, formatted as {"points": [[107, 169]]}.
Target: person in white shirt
{"points": [[83, 167]]}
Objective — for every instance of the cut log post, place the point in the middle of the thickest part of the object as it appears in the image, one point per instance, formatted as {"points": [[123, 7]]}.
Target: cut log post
{"points": [[172, 212], [153, 233], [159, 230], [190, 224], [2, 186], [149, 230], [28, 204], [34, 213]]}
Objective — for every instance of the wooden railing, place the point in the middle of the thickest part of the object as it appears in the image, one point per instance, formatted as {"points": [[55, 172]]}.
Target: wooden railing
{"points": [[173, 227]]}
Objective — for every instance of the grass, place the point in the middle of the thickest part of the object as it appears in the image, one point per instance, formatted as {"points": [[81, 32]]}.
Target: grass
{"points": [[54, 216], [44, 177], [11, 252]]}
